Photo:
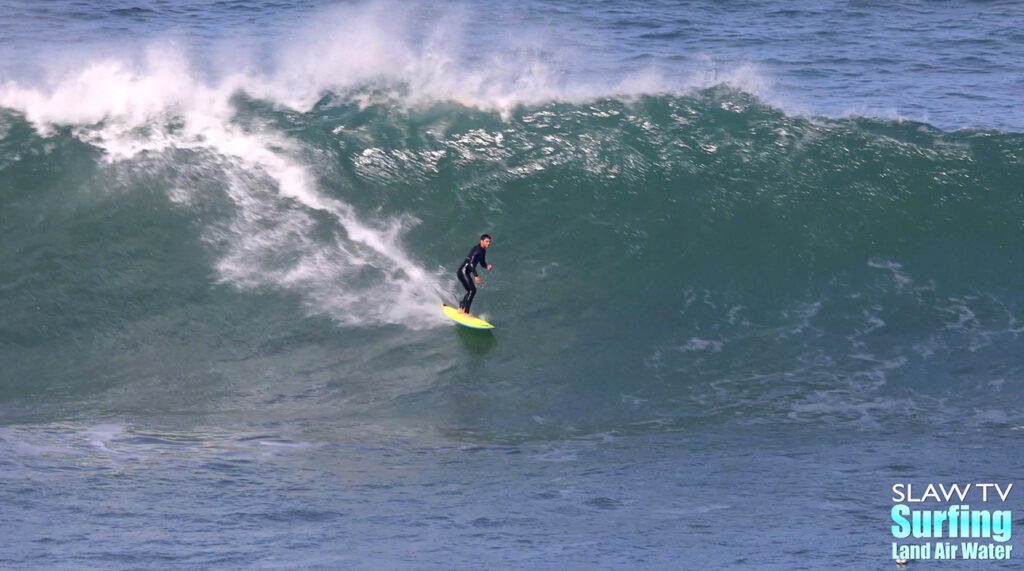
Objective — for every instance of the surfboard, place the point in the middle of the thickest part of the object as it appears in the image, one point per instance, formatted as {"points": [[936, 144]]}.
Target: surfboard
{"points": [[463, 320]]}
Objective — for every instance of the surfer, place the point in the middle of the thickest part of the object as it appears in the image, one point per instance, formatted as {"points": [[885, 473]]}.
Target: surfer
{"points": [[468, 268]]}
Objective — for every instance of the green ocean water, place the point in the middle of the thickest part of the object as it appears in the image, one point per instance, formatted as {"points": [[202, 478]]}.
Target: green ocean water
{"points": [[725, 326]]}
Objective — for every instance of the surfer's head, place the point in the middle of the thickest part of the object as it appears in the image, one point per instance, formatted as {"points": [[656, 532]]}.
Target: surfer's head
{"points": [[485, 241]]}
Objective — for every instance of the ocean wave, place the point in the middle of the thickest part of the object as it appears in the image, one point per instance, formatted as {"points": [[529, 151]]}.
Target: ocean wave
{"points": [[673, 234]]}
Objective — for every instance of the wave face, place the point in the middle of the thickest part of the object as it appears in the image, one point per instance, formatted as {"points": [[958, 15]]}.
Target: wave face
{"points": [[659, 258]]}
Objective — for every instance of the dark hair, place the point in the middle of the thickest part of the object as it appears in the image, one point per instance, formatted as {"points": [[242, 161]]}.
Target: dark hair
{"points": [[484, 237]]}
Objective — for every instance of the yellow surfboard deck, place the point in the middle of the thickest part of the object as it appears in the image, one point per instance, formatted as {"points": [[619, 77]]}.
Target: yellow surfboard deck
{"points": [[462, 319]]}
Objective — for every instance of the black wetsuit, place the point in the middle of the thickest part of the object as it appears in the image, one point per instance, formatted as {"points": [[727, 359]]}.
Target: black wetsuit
{"points": [[466, 273]]}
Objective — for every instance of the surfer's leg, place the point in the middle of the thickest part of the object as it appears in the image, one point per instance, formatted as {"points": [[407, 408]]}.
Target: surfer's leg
{"points": [[468, 300], [467, 283]]}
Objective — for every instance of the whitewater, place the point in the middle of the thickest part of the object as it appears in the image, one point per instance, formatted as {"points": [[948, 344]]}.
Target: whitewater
{"points": [[753, 265]]}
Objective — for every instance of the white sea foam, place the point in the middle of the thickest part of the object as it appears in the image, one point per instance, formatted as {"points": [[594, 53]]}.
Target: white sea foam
{"points": [[101, 435], [901, 280], [697, 344]]}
